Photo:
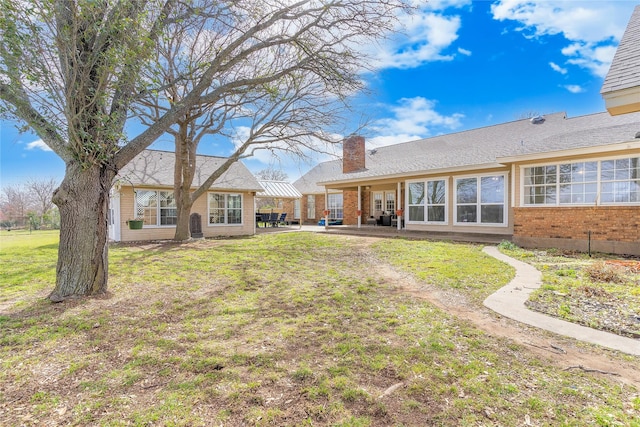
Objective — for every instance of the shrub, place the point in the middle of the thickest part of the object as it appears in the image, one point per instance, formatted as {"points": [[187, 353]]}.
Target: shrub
{"points": [[603, 272]]}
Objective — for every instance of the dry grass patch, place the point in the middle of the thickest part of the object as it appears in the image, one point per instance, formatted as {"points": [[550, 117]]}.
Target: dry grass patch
{"points": [[288, 330]]}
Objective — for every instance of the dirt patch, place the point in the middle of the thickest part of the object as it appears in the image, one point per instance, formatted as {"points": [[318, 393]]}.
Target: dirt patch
{"points": [[560, 351]]}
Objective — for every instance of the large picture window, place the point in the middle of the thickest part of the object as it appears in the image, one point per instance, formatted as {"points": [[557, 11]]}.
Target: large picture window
{"points": [[427, 201], [156, 207], [225, 209], [480, 200], [593, 182]]}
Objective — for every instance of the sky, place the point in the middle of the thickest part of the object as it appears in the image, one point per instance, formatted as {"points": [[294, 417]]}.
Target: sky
{"points": [[456, 65]]}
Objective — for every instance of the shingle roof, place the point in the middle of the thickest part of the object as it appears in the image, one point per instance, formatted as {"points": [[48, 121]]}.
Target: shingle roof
{"points": [[156, 168], [477, 148], [308, 183], [278, 189], [625, 67]]}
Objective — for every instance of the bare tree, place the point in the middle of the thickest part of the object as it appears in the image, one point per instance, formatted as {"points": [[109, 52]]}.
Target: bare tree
{"points": [[272, 174], [285, 104], [40, 194], [14, 203], [71, 70]]}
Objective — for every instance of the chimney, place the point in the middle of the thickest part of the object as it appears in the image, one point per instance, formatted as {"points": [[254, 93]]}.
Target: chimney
{"points": [[353, 154]]}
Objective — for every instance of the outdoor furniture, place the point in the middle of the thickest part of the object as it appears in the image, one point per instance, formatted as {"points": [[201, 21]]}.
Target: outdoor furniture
{"points": [[372, 221], [283, 216], [265, 218], [273, 219], [258, 219]]}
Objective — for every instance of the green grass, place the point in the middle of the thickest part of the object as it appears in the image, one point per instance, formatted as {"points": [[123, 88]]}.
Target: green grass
{"points": [[285, 329], [28, 262]]}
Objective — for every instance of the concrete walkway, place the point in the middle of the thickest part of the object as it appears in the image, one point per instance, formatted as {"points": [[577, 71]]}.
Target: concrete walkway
{"points": [[509, 302]]}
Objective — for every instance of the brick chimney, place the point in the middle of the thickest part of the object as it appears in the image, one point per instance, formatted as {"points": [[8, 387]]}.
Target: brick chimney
{"points": [[353, 154]]}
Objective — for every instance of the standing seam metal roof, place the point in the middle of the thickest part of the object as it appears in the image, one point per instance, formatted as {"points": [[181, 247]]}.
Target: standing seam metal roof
{"points": [[278, 189]]}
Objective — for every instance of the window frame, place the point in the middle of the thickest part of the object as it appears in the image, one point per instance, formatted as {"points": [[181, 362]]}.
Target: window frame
{"points": [[225, 209], [334, 206], [599, 183], [425, 201], [479, 204], [158, 208]]}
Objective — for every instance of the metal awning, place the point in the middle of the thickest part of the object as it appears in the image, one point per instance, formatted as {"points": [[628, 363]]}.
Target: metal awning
{"points": [[278, 190]]}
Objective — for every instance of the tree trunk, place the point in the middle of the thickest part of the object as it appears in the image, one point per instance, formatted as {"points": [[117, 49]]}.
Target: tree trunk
{"points": [[83, 202], [183, 206]]}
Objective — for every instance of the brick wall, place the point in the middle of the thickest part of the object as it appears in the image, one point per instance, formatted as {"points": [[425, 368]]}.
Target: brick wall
{"points": [[615, 223], [350, 201], [353, 154]]}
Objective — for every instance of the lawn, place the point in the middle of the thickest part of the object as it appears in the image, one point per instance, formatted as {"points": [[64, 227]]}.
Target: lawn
{"points": [[285, 329]]}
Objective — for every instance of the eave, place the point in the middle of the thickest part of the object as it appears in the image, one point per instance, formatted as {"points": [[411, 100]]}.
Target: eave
{"points": [[547, 155], [409, 175], [622, 101]]}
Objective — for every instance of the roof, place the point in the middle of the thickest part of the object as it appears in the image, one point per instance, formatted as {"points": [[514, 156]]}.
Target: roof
{"points": [[621, 88], [624, 72], [278, 189], [156, 168], [482, 148], [308, 183]]}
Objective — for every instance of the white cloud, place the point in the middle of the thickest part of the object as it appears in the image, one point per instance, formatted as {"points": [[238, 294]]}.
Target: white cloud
{"points": [[413, 118], [423, 36], [558, 68], [464, 52], [574, 88], [593, 28], [38, 144]]}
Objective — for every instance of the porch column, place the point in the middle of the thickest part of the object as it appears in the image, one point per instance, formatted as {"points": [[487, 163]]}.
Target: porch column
{"points": [[359, 206], [399, 206], [326, 208]]}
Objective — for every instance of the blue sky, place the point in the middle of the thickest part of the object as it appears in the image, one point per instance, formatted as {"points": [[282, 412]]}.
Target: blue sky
{"points": [[458, 65]]}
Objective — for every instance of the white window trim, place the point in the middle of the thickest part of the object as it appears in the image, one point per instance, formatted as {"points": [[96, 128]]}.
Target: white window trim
{"points": [[505, 213], [225, 224], [598, 160], [157, 224], [446, 200]]}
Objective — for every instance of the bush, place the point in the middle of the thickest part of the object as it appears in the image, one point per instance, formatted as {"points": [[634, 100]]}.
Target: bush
{"points": [[603, 272], [507, 245]]}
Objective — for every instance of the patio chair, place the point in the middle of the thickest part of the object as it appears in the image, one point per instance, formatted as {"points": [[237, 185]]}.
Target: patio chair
{"points": [[273, 219], [282, 219], [265, 218]]}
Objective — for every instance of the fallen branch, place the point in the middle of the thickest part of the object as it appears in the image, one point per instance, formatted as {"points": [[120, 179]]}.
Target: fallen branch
{"points": [[591, 370], [553, 349], [390, 390]]}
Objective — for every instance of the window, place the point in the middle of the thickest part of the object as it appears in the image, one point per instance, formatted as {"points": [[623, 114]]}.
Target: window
{"points": [[335, 206], [480, 200], [578, 183], [225, 209], [620, 181], [296, 209], [540, 185], [311, 206], [427, 201], [377, 202], [156, 207], [616, 181], [390, 205]]}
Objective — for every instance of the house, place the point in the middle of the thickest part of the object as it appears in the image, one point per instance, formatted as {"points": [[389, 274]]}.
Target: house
{"points": [[621, 87], [144, 190], [552, 181], [315, 198]]}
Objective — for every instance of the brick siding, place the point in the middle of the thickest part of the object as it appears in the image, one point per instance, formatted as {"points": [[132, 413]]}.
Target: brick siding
{"points": [[614, 223]]}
